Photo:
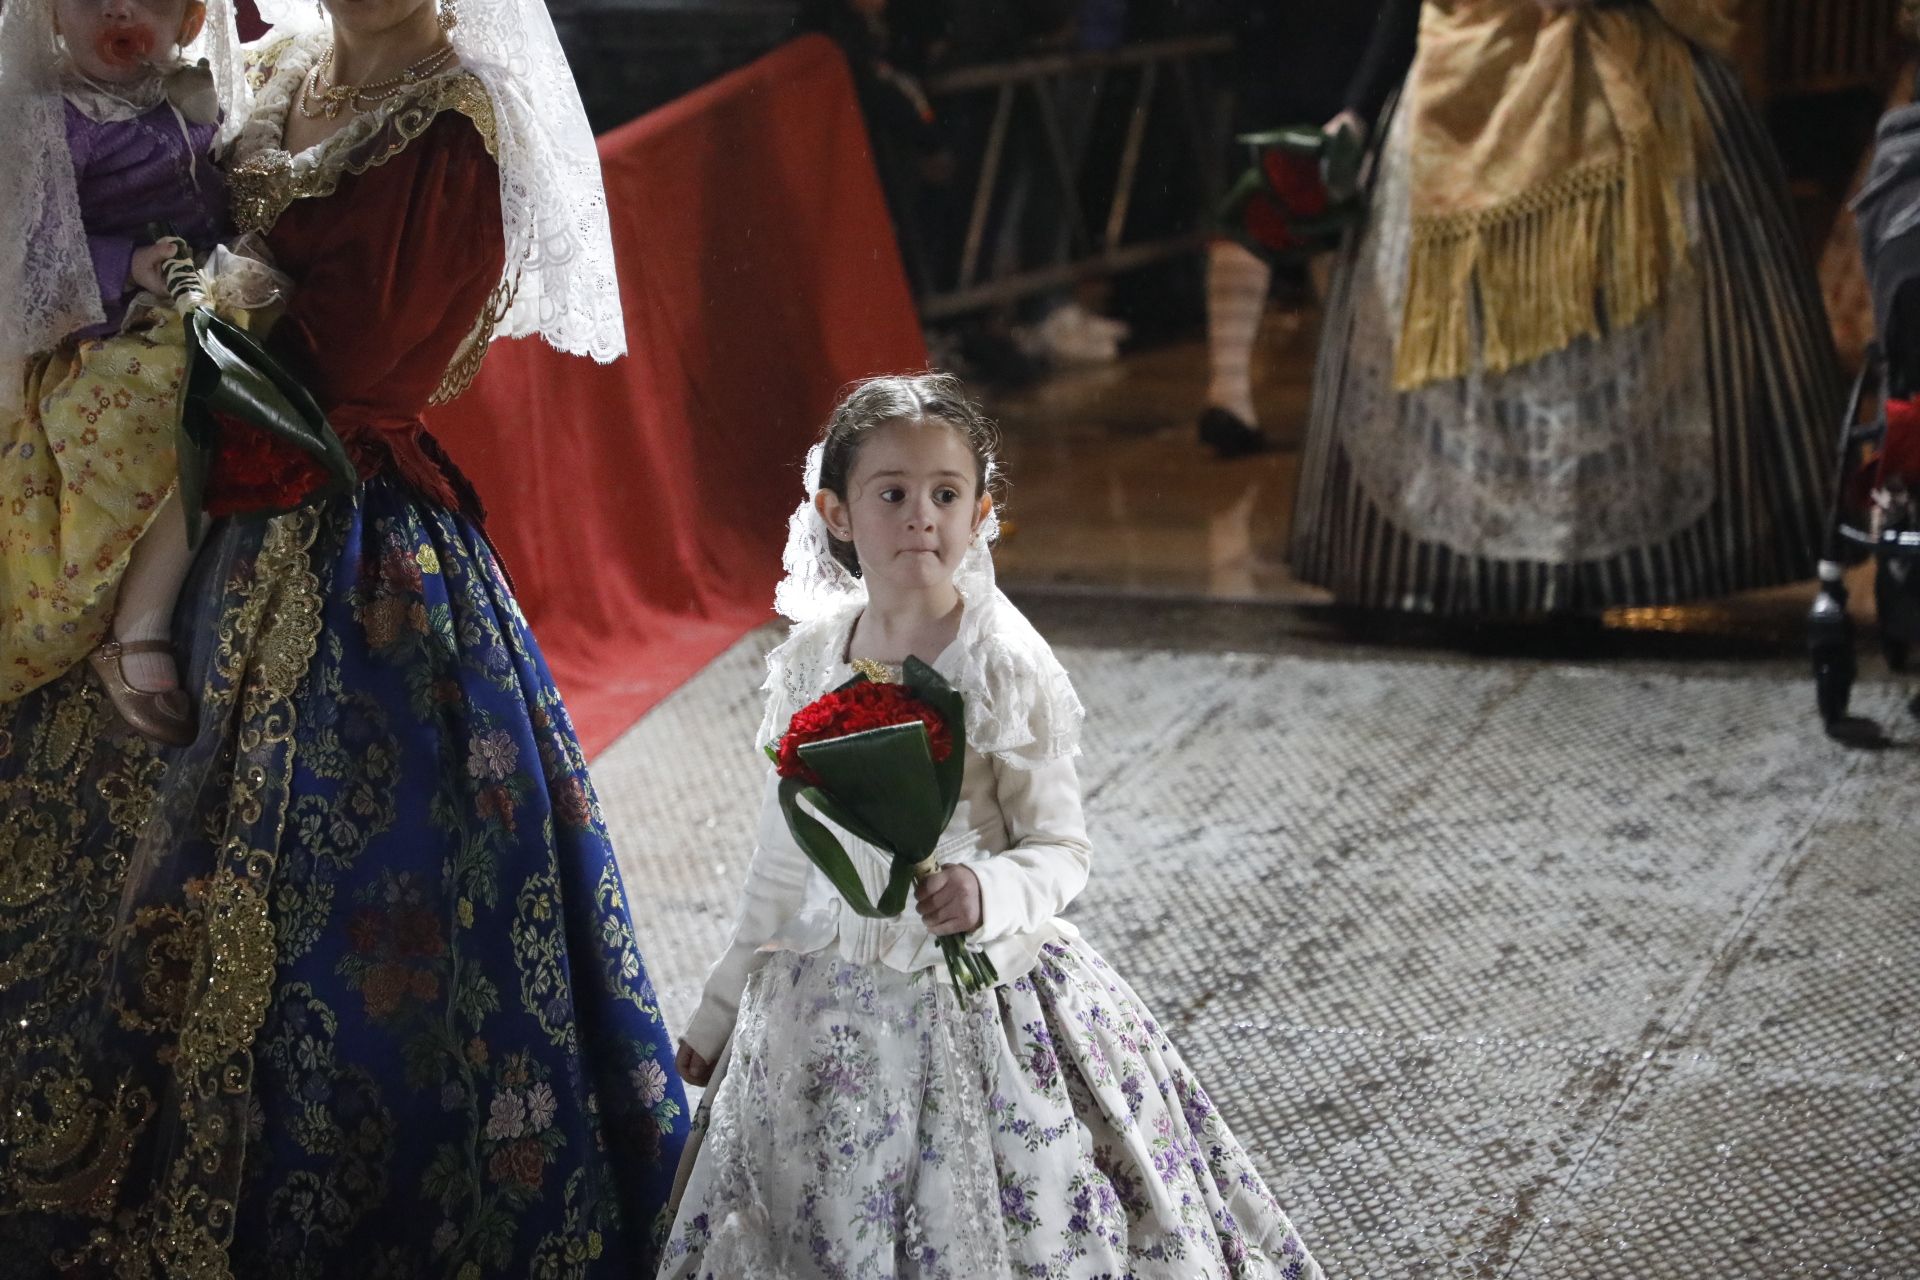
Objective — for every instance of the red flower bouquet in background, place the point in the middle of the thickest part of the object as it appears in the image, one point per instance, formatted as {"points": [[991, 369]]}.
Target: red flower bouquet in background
{"points": [[1900, 447], [883, 762], [1293, 192]]}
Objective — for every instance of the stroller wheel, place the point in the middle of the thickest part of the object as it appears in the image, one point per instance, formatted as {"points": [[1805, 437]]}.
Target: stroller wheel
{"points": [[1830, 645], [1897, 652]]}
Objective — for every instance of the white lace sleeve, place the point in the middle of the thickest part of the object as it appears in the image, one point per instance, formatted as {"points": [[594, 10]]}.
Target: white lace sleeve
{"points": [[1021, 705]]}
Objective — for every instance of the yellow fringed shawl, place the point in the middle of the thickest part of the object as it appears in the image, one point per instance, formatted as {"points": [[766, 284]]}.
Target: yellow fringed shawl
{"points": [[1549, 156]]}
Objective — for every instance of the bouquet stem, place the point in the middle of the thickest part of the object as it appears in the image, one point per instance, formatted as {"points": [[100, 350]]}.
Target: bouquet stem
{"points": [[970, 970]]}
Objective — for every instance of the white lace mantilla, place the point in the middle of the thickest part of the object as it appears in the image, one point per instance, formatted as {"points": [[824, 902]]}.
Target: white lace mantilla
{"points": [[1579, 455], [553, 207], [1020, 702]]}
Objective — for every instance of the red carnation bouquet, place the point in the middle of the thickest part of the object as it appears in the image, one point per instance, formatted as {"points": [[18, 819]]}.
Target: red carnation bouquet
{"points": [[883, 762], [1299, 194]]}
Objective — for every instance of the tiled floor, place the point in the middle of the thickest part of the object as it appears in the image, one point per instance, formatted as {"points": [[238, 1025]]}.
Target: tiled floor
{"points": [[1536, 967], [1534, 952]]}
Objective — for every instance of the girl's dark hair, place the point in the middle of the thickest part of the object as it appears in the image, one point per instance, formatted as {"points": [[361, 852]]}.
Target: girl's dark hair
{"points": [[916, 397]]}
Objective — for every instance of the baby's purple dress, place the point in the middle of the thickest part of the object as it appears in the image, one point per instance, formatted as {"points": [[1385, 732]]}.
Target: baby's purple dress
{"points": [[132, 174]]}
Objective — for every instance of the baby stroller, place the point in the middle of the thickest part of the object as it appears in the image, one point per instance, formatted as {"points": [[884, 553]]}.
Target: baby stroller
{"points": [[1876, 500]]}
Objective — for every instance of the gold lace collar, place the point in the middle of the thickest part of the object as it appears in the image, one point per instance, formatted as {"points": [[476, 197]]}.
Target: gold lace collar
{"points": [[266, 178]]}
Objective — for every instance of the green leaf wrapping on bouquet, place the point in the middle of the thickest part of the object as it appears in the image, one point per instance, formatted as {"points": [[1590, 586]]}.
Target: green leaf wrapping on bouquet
{"points": [[885, 777], [824, 850], [229, 373], [928, 685], [883, 787]]}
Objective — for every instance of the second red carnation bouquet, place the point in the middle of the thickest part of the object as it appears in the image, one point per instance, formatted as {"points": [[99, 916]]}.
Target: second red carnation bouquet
{"points": [[883, 762]]}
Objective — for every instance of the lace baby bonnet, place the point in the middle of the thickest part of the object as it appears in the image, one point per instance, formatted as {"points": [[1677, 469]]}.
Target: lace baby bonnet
{"points": [[1020, 703], [553, 206], [46, 272]]}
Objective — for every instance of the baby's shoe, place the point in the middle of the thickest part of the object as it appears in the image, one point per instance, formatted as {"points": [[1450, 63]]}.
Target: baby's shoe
{"points": [[164, 716]]}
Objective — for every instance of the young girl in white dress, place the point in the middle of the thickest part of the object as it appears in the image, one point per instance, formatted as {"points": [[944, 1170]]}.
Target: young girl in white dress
{"points": [[865, 1119]]}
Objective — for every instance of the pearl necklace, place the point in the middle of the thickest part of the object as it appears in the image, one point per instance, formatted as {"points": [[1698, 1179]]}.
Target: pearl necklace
{"points": [[337, 95]]}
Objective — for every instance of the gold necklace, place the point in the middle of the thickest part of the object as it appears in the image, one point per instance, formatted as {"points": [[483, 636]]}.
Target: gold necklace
{"points": [[337, 95]]}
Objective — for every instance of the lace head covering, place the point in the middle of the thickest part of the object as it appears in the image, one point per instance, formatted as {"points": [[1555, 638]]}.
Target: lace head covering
{"points": [[552, 203], [46, 274], [817, 585], [1020, 703]]}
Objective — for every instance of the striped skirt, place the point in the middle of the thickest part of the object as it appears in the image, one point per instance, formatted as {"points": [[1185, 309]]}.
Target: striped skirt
{"points": [[1685, 456]]}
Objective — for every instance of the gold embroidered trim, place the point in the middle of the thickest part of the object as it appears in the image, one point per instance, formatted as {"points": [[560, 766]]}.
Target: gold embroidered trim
{"points": [[264, 184], [465, 366], [233, 974], [65, 1137], [196, 969]]}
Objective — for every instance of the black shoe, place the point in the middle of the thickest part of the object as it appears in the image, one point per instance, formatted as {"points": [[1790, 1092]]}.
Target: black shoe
{"points": [[1231, 436]]}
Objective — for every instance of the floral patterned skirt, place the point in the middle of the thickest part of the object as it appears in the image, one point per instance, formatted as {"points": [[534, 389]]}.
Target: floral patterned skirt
{"points": [[83, 470], [348, 987], [870, 1125]]}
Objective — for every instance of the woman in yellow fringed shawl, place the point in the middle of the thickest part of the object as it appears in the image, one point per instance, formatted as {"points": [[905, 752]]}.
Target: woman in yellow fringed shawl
{"points": [[1575, 357]]}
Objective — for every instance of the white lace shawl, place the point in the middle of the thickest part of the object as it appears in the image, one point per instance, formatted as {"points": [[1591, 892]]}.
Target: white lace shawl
{"points": [[1020, 703]]}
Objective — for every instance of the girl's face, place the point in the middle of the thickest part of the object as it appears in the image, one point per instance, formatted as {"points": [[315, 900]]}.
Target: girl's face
{"points": [[114, 41], [912, 505]]}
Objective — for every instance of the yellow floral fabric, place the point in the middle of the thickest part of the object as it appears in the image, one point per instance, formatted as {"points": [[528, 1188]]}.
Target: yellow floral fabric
{"points": [[83, 471]]}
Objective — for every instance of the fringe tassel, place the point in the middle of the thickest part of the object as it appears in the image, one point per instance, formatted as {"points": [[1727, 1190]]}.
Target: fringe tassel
{"points": [[1569, 260]]}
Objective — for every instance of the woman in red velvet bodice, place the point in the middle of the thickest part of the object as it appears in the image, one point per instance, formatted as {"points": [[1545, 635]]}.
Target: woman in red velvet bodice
{"points": [[349, 985], [391, 270]]}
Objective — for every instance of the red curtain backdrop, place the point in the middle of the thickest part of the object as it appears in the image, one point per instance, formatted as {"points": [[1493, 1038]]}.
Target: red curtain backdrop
{"points": [[641, 506]]}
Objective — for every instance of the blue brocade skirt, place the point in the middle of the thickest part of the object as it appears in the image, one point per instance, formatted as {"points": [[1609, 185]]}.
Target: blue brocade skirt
{"points": [[349, 986]]}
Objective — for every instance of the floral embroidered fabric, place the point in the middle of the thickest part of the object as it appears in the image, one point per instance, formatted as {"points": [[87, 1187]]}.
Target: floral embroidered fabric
{"points": [[869, 1124], [349, 985], [87, 462], [377, 1008]]}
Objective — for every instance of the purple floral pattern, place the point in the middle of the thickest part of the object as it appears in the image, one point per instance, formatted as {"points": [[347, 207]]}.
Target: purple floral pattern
{"points": [[869, 1126]]}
